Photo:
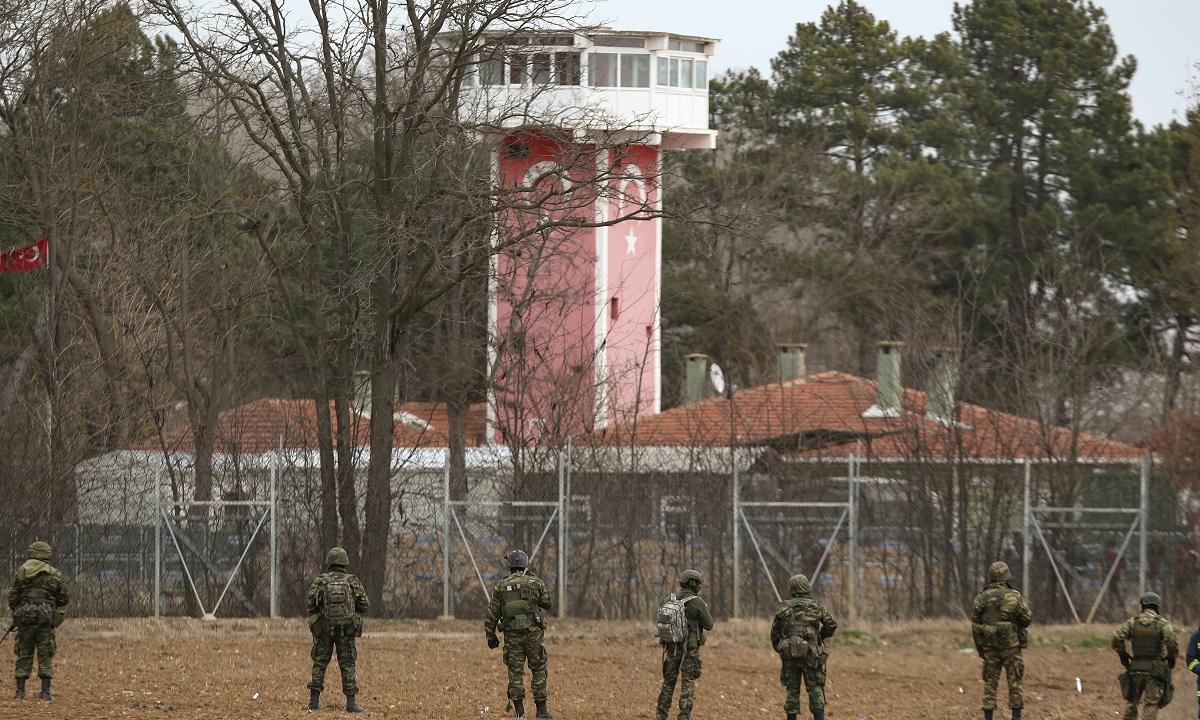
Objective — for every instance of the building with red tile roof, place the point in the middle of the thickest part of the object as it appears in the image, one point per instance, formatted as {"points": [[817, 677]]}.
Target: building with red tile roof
{"points": [[261, 426], [826, 415]]}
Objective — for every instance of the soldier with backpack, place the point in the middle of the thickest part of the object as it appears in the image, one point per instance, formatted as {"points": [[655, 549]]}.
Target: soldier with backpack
{"points": [[336, 602], [38, 599], [516, 609], [682, 622], [1148, 670], [798, 634], [999, 621]]}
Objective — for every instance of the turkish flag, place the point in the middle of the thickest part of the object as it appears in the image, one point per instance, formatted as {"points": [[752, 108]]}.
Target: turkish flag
{"points": [[24, 258]]}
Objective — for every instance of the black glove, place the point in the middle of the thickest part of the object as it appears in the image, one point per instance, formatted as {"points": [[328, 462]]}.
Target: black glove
{"points": [[493, 643], [1125, 659], [1171, 663]]}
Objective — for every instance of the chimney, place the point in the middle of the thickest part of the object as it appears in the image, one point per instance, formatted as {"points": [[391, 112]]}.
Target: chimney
{"points": [[361, 389], [792, 363], [697, 378], [887, 394], [941, 405]]}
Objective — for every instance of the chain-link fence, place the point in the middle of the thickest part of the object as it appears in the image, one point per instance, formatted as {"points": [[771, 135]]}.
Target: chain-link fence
{"points": [[611, 527]]}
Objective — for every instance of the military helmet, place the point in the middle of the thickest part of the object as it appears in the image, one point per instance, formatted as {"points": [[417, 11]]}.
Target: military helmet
{"points": [[1149, 599], [799, 585], [337, 556], [517, 559], [688, 577], [998, 572], [40, 551]]}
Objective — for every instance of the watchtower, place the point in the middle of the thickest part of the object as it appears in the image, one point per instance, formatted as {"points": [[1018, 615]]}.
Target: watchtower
{"points": [[580, 121]]}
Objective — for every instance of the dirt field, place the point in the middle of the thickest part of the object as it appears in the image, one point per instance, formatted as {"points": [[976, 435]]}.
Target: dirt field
{"points": [[187, 670]]}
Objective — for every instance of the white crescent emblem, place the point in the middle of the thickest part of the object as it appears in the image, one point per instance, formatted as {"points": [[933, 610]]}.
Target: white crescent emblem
{"points": [[638, 197], [543, 170]]}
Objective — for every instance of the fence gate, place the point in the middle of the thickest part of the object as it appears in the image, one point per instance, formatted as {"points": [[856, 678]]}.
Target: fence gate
{"points": [[455, 524], [196, 538], [847, 517], [1036, 525]]}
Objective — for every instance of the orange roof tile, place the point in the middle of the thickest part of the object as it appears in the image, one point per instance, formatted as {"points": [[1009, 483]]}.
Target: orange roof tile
{"points": [[257, 426], [821, 415]]}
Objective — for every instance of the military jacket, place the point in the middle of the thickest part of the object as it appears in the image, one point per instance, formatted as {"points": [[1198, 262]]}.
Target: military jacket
{"points": [[810, 612], [38, 580], [998, 617], [313, 605], [1168, 647], [538, 599]]}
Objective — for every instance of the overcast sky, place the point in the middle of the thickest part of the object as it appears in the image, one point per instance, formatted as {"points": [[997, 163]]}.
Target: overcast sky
{"points": [[1161, 34]]}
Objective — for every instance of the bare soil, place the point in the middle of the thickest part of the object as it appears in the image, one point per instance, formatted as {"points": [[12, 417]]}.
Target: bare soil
{"points": [[184, 669]]}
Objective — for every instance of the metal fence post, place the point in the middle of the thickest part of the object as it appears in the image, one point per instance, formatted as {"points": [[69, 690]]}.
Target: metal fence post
{"points": [[565, 519], [157, 545], [562, 558], [1144, 512], [275, 468], [447, 611], [737, 538], [1026, 539], [852, 560]]}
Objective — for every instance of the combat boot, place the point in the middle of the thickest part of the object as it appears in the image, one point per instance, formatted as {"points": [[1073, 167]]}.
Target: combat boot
{"points": [[791, 716], [45, 689], [314, 700], [20, 689], [1016, 713], [818, 715], [542, 712], [518, 708], [987, 714], [352, 706]]}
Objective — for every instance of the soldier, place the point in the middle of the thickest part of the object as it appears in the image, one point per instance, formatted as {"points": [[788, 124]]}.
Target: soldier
{"points": [[38, 599], [999, 618], [516, 610], [684, 659], [336, 603], [1193, 660], [798, 634], [1148, 670]]}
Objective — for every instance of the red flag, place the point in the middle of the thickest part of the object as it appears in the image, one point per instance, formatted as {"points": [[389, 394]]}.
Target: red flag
{"points": [[24, 258]]}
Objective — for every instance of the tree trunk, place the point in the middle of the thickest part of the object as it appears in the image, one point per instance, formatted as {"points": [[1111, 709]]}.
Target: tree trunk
{"points": [[379, 474]]}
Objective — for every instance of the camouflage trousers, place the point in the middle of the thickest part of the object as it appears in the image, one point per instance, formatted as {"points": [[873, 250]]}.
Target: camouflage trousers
{"points": [[521, 646], [1150, 691], [29, 640], [795, 676], [1011, 662], [347, 656], [672, 669]]}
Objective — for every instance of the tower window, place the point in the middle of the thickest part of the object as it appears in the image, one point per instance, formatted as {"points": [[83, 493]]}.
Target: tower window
{"points": [[606, 69], [614, 309]]}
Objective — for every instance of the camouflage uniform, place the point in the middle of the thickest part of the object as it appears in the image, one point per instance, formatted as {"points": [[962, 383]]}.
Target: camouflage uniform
{"points": [[686, 660], [37, 600], [326, 641], [816, 625], [999, 618], [1146, 667], [521, 645]]}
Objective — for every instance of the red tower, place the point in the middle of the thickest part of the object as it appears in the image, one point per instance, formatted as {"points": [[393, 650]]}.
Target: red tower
{"points": [[574, 311]]}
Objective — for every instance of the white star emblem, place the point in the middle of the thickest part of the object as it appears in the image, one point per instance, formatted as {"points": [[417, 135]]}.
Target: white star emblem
{"points": [[631, 243]]}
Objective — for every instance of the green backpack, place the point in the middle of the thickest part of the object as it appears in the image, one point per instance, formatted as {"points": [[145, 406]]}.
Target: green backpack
{"points": [[518, 608], [337, 607], [801, 641], [37, 605]]}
